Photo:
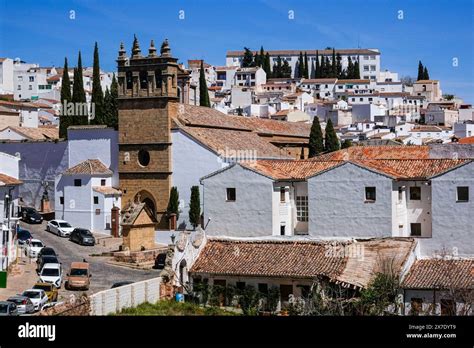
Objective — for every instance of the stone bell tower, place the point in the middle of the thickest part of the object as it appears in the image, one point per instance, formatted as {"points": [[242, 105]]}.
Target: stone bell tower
{"points": [[148, 97]]}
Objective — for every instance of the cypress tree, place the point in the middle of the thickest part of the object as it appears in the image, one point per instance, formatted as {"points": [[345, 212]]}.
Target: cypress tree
{"points": [[277, 70], [356, 70], [338, 66], [317, 69], [313, 71], [203, 93], [256, 59], [331, 143], [306, 67], [333, 64], [322, 68], [350, 69], [426, 76], [315, 139], [97, 95], [301, 65], [247, 61], [261, 62], [113, 112], [420, 71], [64, 118], [297, 69], [173, 203], [327, 67], [79, 95], [107, 114], [267, 66], [286, 70], [195, 207]]}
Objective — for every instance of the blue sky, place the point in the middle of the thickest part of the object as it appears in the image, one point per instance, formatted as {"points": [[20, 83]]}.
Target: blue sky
{"points": [[434, 32]]}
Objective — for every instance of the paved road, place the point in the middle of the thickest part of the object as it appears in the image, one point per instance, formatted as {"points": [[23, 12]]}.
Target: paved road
{"points": [[103, 274]]}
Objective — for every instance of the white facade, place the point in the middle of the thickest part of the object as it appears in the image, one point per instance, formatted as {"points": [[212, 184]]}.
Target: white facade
{"points": [[463, 130], [6, 76], [249, 77], [30, 83]]}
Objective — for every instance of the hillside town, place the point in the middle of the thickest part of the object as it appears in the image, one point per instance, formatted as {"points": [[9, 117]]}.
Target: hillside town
{"points": [[289, 182]]}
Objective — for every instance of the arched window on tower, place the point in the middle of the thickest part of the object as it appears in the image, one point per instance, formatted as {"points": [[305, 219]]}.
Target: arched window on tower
{"points": [[129, 80], [158, 78], [143, 80]]}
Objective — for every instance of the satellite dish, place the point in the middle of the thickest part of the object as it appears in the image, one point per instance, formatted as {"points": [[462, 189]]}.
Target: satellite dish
{"points": [[17, 60]]}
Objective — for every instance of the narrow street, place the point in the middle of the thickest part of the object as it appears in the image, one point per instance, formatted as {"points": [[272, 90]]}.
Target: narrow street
{"points": [[103, 274]]}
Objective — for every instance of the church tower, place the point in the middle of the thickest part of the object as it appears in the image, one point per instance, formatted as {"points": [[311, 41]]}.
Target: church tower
{"points": [[148, 97]]}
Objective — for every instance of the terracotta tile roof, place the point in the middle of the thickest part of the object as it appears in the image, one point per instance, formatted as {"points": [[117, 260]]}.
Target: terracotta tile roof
{"points": [[441, 274], [351, 263], [107, 190], [427, 81], [467, 140], [6, 180], [353, 82], [131, 212], [197, 116], [347, 51], [430, 129], [4, 110], [422, 169], [377, 152], [328, 80], [89, 167], [224, 141], [32, 133], [289, 169], [267, 258]]}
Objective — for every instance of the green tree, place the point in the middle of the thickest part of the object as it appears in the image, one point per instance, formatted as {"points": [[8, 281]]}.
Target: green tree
{"points": [[317, 68], [112, 120], [300, 72], [195, 207], [346, 144], [247, 61], [64, 118], [277, 68], [267, 66], [420, 71], [313, 71], [306, 67], [426, 75], [286, 70], [173, 203], [203, 93], [331, 143], [333, 64], [79, 95], [350, 69], [327, 67], [315, 145], [356, 70], [97, 98], [297, 69], [338, 65], [322, 68]]}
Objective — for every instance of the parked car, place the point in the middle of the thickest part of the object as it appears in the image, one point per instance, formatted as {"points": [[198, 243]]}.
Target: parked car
{"points": [[30, 215], [22, 236], [8, 308], [52, 273], [82, 237], [37, 296], [122, 283], [47, 251], [60, 227], [78, 277], [49, 289], [23, 304], [33, 247], [160, 261], [44, 259]]}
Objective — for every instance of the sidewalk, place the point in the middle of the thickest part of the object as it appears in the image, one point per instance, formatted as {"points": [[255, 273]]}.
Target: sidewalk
{"points": [[21, 278]]}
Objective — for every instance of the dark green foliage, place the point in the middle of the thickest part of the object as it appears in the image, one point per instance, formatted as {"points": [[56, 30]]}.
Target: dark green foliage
{"points": [[297, 70], [426, 75], [380, 293], [248, 300], [356, 70], [65, 120], [195, 207], [317, 69], [333, 64], [300, 66], [420, 71], [203, 92], [97, 98], [306, 68], [315, 145], [79, 95], [248, 61], [338, 66], [173, 203], [346, 143], [267, 66], [286, 70], [322, 68], [331, 142], [313, 71], [112, 105]]}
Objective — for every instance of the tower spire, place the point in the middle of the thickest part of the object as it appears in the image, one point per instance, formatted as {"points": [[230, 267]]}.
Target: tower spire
{"points": [[165, 49], [152, 49], [136, 52], [122, 54]]}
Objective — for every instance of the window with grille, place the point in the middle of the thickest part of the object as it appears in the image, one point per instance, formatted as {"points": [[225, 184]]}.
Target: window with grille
{"points": [[302, 208]]}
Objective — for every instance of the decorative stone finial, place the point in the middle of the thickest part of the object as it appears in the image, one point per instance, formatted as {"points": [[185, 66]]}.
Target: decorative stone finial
{"points": [[122, 53], [165, 49], [136, 52], [152, 49]]}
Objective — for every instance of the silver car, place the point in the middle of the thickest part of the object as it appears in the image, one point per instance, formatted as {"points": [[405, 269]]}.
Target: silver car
{"points": [[23, 304], [8, 308]]}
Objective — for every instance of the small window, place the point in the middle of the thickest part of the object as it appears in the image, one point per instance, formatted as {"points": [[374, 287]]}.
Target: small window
{"points": [[77, 182], [415, 229], [370, 194], [463, 193], [282, 230], [263, 288], [282, 195], [415, 193], [61, 200], [416, 306], [96, 199], [231, 194], [102, 182]]}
